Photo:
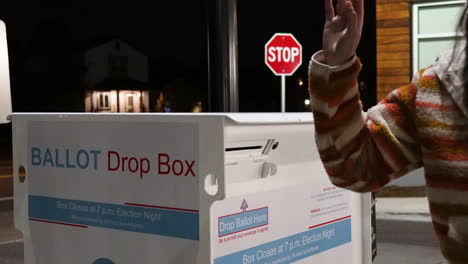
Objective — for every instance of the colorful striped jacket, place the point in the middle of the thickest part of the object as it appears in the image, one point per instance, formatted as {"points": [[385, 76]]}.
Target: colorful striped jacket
{"points": [[424, 124]]}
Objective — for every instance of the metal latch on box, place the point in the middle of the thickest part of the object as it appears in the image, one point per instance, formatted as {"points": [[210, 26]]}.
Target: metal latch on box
{"points": [[254, 151]]}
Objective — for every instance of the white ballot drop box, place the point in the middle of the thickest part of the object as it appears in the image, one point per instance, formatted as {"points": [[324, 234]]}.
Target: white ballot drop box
{"points": [[181, 189]]}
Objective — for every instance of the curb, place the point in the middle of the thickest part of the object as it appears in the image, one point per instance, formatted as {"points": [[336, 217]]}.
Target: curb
{"points": [[405, 221], [11, 252]]}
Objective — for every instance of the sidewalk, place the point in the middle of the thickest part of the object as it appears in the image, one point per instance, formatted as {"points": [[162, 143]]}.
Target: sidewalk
{"points": [[8, 233], [405, 221], [392, 253], [6, 179], [11, 245], [407, 209]]}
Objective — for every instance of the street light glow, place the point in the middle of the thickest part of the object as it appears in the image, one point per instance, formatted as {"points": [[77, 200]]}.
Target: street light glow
{"points": [[301, 82], [307, 102]]}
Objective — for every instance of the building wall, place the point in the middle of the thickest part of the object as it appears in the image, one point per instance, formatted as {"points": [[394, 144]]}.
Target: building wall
{"points": [[393, 59], [97, 61], [89, 102], [393, 45]]}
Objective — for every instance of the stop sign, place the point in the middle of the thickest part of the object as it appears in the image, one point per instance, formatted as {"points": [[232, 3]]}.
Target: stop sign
{"points": [[283, 54]]}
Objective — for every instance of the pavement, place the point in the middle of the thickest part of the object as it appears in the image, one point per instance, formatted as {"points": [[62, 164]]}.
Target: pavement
{"points": [[11, 253], [6, 178], [11, 245], [405, 220], [8, 232], [404, 232], [391, 253]]}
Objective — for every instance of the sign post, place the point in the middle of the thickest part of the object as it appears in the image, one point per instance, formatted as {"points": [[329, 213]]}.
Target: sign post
{"points": [[283, 55]]}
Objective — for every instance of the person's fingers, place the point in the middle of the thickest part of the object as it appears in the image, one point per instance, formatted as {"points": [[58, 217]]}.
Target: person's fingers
{"points": [[329, 10], [352, 20], [359, 8], [339, 7]]}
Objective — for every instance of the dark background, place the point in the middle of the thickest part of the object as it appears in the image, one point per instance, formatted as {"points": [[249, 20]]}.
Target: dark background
{"points": [[47, 40], [259, 20]]}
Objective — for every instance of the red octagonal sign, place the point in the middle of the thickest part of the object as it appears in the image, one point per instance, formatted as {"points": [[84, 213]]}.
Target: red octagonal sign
{"points": [[283, 54]]}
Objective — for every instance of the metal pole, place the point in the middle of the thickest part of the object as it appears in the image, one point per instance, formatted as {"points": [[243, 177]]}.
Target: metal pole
{"points": [[283, 93], [222, 55]]}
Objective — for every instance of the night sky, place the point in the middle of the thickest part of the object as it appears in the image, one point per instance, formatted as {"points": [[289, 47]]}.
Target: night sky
{"points": [[166, 31], [173, 35], [259, 20]]}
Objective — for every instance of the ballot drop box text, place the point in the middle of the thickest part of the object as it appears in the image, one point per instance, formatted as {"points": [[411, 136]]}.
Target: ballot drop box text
{"points": [[181, 189]]}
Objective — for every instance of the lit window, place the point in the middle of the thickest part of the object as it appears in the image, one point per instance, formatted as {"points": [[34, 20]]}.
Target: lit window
{"points": [[104, 100], [130, 107], [434, 30]]}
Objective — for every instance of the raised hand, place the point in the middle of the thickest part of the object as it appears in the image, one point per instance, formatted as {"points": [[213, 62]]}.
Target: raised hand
{"points": [[342, 31]]}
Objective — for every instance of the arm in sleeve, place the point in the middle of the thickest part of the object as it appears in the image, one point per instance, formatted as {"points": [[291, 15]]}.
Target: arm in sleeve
{"points": [[361, 151]]}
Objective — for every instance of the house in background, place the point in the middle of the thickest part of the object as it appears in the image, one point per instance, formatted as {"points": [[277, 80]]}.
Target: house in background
{"points": [[116, 78]]}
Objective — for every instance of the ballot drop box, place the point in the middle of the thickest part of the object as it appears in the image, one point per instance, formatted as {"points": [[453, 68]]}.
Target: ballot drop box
{"points": [[181, 189]]}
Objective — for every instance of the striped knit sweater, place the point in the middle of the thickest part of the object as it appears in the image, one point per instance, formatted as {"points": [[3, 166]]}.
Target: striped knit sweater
{"points": [[424, 124]]}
